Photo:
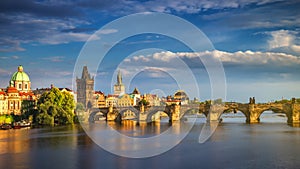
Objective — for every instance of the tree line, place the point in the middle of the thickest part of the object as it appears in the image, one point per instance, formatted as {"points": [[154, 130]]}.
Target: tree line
{"points": [[54, 107]]}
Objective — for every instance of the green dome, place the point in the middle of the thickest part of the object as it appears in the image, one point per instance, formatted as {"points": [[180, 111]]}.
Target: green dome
{"points": [[20, 76]]}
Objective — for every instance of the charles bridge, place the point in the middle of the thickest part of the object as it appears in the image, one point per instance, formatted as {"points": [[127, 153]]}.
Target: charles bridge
{"points": [[212, 111]]}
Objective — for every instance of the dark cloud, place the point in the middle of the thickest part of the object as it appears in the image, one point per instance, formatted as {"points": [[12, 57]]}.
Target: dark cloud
{"points": [[275, 15], [78, 30], [29, 21], [37, 8]]}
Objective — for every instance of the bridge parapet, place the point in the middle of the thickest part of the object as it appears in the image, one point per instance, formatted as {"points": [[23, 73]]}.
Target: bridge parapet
{"points": [[213, 112]]}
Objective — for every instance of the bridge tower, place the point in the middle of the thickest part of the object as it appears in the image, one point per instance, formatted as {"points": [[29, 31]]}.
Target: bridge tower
{"points": [[85, 89]]}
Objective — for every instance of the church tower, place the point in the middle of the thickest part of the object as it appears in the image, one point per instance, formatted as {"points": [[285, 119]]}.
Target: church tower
{"points": [[85, 89], [119, 88]]}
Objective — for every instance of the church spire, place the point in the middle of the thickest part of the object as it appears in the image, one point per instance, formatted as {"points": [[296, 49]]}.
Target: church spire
{"points": [[119, 78], [119, 88], [85, 73]]}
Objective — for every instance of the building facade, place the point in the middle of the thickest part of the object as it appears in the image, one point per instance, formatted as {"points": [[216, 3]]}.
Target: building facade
{"points": [[18, 96], [100, 99]]}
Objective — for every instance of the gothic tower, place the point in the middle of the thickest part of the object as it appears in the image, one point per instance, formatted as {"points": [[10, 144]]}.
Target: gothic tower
{"points": [[119, 88], [85, 89]]}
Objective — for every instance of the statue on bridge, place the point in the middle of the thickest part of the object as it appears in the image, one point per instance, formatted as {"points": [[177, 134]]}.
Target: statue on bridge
{"points": [[252, 100]]}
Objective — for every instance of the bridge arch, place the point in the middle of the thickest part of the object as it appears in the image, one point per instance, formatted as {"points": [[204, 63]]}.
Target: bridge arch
{"points": [[231, 113], [235, 110], [122, 112], [154, 111], [159, 114], [192, 110], [275, 110], [95, 115]]}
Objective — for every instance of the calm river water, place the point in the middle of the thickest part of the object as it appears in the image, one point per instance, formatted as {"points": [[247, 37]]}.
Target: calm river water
{"points": [[234, 145]]}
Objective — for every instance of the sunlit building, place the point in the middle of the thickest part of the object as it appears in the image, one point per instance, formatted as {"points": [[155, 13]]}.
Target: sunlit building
{"points": [[182, 97], [100, 99], [125, 100], [136, 95], [153, 99], [111, 100], [18, 95]]}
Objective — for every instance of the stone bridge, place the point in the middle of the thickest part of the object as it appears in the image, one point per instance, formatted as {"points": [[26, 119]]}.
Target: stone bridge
{"points": [[212, 111]]}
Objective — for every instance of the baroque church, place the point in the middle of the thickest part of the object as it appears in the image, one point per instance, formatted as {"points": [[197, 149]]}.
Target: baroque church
{"points": [[17, 95]]}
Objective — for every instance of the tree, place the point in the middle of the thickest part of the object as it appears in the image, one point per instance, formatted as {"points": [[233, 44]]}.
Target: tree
{"points": [[55, 107], [144, 102], [8, 119]]}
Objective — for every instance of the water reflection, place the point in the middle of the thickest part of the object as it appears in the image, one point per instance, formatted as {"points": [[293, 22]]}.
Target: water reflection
{"points": [[232, 145], [138, 140]]}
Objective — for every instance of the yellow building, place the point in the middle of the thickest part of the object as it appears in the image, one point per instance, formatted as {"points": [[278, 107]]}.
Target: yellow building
{"points": [[100, 99], [182, 97], [125, 100], [111, 100], [153, 99], [3, 103]]}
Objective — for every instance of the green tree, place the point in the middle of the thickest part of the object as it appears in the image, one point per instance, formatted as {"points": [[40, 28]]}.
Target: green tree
{"points": [[144, 102], [55, 107], [6, 119]]}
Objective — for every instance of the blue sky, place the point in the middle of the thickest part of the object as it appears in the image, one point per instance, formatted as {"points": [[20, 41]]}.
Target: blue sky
{"points": [[257, 42]]}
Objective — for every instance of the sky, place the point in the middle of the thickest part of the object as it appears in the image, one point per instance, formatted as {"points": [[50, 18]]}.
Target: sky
{"points": [[257, 43]]}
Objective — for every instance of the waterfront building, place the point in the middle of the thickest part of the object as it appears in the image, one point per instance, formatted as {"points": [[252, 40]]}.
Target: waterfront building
{"points": [[125, 100], [182, 97], [85, 89], [18, 96], [119, 87], [136, 95], [100, 99], [111, 100], [3, 103], [153, 99]]}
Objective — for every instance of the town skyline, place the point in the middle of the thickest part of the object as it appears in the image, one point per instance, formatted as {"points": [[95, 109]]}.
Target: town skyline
{"points": [[259, 50]]}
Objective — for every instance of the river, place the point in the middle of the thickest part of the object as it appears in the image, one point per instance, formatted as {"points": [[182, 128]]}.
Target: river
{"points": [[270, 144]]}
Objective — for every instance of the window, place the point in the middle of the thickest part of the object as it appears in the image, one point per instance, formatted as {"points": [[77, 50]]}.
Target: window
{"points": [[20, 86], [25, 86]]}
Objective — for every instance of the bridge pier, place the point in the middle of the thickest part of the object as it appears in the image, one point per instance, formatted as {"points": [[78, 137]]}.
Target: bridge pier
{"points": [[175, 115], [295, 114], [253, 114], [215, 112], [111, 116]]}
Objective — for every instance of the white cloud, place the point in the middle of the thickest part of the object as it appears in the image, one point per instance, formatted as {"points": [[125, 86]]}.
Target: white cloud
{"points": [[141, 57], [107, 31], [296, 48], [55, 58], [60, 38], [284, 39], [15, 57], [281, 38], [11, 57], [3, 71], [164, 56], [239, 57]]}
